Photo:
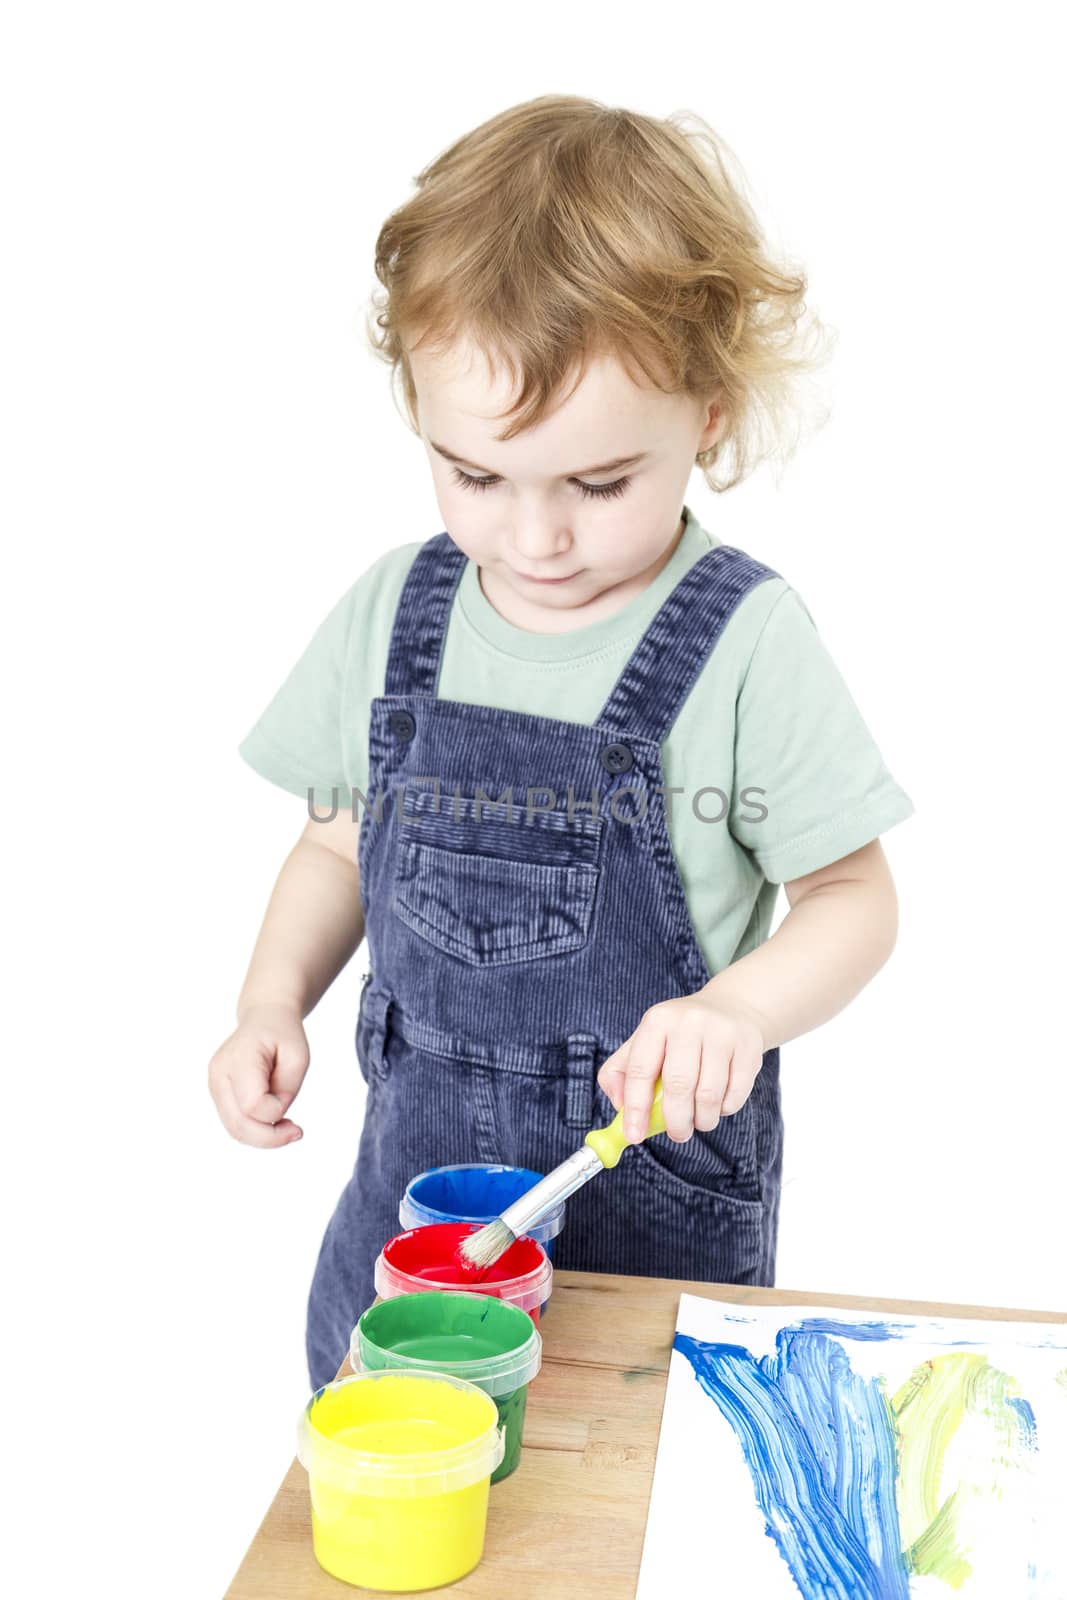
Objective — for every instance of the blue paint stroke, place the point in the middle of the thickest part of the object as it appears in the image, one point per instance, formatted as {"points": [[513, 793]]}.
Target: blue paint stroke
{"points": [[820, 1447], [1027, 1422], [932, 1333], [852, 1330]]}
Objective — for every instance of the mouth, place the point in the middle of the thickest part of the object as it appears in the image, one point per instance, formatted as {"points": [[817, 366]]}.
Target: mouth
{"points": [[528, 577]]}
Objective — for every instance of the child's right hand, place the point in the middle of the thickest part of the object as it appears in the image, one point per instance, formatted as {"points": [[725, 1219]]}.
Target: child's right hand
{"points": [[255, 1075]]}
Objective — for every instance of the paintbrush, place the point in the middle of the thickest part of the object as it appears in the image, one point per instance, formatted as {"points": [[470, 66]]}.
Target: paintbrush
{"points": [[602, 1148]]}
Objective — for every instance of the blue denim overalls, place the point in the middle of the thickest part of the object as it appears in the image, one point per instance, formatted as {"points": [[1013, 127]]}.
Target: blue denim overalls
{"points": [[510, 956]]}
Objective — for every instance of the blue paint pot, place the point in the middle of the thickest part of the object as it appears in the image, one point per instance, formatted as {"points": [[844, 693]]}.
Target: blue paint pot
{"points": [[475, 1194]]}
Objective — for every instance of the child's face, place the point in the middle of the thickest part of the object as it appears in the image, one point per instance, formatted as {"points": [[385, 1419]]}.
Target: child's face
{"points": [[532, 519]]}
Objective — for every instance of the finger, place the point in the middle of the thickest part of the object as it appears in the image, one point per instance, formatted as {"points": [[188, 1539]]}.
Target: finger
{"points": [[246, 1129], [291, 1059], [711, 1086], [744, 1066], [252, 1093], [612, 1075], [269, 1108], [681, 1073], [250, 1082], [642, 1069], [614, 1086]]}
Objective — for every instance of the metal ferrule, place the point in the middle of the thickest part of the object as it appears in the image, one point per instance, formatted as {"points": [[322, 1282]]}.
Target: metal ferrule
{"points": [[567, 1177]]}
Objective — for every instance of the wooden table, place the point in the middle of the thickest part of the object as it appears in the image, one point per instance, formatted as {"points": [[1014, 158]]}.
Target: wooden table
{"points": [[569, 1523]]}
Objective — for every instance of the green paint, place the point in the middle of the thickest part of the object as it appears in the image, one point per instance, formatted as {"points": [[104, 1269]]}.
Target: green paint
{"points": [[928, 1410], [445, 1347], [487, 1341], [512, 1408]]}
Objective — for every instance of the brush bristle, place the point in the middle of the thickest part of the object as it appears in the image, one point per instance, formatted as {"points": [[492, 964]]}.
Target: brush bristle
{"points": [[484, 1248]]}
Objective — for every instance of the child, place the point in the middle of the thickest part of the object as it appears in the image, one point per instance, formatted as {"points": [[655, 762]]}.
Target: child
{"points": [[674, 739]]}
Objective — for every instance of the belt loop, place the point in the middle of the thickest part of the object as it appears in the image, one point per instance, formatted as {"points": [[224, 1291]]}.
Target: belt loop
{"points": [[581, 1074]]}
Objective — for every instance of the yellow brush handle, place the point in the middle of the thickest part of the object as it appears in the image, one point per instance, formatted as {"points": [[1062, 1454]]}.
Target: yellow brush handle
{"points": [[610, 1142]]}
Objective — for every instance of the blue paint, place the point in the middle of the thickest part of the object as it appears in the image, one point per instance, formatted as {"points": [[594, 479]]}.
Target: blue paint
{"points": [[475, 1194], [1027, 1422], [819, 1443], [851, 1330]]}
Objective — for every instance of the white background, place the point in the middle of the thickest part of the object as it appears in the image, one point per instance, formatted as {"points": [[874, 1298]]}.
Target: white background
{"points": [[202, 455]]}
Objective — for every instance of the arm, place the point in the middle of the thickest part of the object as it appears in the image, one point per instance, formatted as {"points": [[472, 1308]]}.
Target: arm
{"points": [[840, 929], [312, 926]]}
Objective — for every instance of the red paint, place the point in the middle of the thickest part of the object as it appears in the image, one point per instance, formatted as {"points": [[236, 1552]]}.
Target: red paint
{"points": [[469, 1271], [424, 1257]]}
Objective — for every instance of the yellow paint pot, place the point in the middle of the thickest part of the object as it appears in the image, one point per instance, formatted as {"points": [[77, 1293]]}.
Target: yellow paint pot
{"points": [[398, 1467]]}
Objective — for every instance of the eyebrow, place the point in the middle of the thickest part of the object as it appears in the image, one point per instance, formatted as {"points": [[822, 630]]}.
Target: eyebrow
{"points": [[579, 472]]}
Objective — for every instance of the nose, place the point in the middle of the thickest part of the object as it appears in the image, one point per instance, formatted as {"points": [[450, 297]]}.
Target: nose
{"points": [[539, 536]]}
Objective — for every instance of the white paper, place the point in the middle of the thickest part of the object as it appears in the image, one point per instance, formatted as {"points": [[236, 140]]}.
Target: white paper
{"points": [[990, 1409]]}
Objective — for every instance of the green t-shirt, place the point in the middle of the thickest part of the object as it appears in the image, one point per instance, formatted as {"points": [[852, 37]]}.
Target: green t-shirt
{"points": [[769, 723]]}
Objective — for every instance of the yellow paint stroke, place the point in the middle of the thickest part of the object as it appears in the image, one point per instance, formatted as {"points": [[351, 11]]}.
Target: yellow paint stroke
{"points": [[928, 1409]]}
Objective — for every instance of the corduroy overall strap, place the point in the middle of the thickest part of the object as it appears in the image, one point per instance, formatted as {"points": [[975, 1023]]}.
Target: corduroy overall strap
{"points": [[416, 646], [671, 654], [653, 685]]}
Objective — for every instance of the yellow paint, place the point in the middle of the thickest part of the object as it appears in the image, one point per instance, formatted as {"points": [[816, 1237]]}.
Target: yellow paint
{"points": [[928, 1410], [407, 1436], [399, 1528]]}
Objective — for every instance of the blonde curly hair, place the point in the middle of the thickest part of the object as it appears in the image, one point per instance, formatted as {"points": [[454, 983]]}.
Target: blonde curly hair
{"points": [[563, 228]]}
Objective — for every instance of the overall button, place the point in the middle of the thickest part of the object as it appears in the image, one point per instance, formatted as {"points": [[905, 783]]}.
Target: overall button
{"points": [[402, 724], [617, 757]]}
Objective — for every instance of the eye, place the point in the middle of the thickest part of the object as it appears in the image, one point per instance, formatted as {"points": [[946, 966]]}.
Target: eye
{"points": [[467, 482], [591, 491]]}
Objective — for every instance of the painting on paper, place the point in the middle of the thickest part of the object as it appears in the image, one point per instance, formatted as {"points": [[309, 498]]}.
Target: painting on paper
{"points": [[841, 1455]]}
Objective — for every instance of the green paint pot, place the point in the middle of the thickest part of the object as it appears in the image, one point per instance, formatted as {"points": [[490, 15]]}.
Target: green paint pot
{"points": [[485, 1341]]}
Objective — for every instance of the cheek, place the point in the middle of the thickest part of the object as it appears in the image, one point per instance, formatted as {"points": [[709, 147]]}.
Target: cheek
{"points": [[622, 545], [466, 516]]}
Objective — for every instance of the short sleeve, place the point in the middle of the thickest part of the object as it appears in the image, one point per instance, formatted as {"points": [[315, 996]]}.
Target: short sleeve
{"points": [[804, 756], [313, 734], [296, 741]]}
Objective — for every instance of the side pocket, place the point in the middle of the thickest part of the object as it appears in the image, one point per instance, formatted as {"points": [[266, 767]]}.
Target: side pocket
{"points": [[362, 1059], [704, 1234], [372, 1032], [362, 1031], [650, 1162]]}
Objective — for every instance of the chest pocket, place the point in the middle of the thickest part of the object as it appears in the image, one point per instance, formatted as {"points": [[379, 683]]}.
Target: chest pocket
{"points": [[487, 889]]}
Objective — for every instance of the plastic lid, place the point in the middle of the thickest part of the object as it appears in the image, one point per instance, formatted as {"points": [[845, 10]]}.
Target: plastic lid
{"points": [[494, 1375], [399, 1476]]}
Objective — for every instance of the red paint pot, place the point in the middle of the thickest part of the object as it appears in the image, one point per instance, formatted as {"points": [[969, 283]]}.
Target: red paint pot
{"points": [[426, 1258]]}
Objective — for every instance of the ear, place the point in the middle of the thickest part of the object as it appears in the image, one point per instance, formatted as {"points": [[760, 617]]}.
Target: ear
{"points": [[714, 423]]}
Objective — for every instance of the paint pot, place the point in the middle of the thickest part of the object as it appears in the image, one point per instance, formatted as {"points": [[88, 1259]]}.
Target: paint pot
{"points": [[427, 1258], [475, 1194], [472, 1336], [398, 1468]]}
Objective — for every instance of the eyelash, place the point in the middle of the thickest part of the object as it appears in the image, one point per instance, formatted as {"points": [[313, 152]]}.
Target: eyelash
{"points": [[592, 491]]}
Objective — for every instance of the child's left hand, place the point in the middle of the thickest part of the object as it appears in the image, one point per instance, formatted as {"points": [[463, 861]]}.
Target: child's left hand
{"points": [[709, 1051]]}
